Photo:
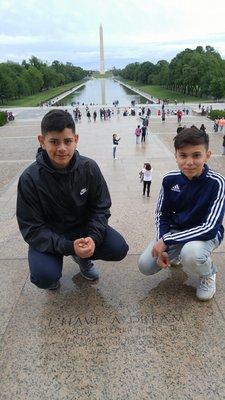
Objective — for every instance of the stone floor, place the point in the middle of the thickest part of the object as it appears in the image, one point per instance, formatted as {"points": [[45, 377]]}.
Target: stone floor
{"points": [[126, 336]]}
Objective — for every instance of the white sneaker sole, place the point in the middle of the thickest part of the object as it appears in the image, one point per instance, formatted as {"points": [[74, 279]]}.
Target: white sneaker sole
{"points": [[205, 299]]}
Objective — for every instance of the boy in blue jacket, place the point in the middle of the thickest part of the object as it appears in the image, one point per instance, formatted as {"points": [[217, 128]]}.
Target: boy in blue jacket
{"points": [[63, 207], [189, 214]]}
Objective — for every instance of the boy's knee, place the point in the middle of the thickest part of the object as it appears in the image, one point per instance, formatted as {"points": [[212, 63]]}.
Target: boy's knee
{"points": [[121, 250], [44, 280], [192, 257], [191, 252], [144, 266]]}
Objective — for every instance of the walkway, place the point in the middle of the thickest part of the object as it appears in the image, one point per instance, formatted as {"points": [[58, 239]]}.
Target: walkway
{"points": [[126, 337]]}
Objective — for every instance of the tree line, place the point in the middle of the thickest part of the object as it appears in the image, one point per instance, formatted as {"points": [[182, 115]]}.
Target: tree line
{"points": [[199, 72], [33, 76]]}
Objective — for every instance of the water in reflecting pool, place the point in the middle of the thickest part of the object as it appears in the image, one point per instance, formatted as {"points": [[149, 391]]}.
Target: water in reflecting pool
{"points": [[103, 92]]}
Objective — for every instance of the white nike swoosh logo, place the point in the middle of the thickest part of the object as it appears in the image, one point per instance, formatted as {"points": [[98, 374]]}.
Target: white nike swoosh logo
{"points": [[83, 191]]}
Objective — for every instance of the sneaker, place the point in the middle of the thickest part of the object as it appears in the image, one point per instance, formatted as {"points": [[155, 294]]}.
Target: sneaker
{"points": [[87, 268], [115, 158], [207, 287], [54, 285]]}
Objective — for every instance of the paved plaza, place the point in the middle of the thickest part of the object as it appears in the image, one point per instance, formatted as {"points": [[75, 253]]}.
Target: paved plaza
{"points": [[126, 337]]}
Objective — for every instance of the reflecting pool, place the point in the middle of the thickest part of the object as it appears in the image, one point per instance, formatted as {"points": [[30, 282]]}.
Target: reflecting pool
{"points": [[104, 91]]}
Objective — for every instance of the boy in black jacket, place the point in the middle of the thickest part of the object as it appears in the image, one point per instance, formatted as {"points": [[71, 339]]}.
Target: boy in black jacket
{"points": [[189, 214], [63, 207]]}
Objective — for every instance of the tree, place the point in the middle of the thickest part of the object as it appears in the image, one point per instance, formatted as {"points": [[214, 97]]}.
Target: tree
{"points": [[217, 88], [7, 89], [162, 73], [34, 75], [130, 71], [35, 79], [145, 72], [50, 77], [35, 62]]}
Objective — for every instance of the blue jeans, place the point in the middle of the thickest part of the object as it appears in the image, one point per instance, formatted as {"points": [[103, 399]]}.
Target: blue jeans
{"points": [[194, 256], [46, 268]]}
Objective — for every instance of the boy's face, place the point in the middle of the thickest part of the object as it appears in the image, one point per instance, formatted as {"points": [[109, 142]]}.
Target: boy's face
{"points": [[60, 146], [191, 159]]}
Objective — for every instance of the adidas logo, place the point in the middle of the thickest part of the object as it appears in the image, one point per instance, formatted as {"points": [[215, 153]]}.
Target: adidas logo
{"points": [[83, 191], [175, 188]]}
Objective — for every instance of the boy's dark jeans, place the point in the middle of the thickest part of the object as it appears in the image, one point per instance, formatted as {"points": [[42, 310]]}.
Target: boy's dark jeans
{"points": [[46, 268]]}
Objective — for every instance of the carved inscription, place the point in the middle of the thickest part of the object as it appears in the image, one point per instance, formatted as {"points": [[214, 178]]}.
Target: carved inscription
{"points": [[88, 328]]}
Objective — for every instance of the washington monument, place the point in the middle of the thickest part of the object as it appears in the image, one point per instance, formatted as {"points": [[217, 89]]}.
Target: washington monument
{"points": [[102, 60]]}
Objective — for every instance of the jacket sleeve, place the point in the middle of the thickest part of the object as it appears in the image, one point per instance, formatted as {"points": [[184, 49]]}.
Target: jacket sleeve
{"points": [[163, 213], [99, 205], [210, 225], [33, 227]]}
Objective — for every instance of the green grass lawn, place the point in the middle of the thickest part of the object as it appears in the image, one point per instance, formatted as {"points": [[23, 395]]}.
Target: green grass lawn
{"points": [[36, 99], [160, 93]]}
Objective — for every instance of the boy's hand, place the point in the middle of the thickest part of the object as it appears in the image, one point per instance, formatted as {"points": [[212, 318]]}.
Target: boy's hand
{"points": [[159, 252], [163, 260], [158, 248], [84, 247]]}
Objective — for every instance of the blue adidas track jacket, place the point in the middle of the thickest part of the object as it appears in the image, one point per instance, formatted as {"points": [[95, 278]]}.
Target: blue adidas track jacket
{"points": [[190, 210]]}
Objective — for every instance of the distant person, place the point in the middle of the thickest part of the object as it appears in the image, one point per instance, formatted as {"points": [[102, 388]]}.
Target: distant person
{"points": [[189, 215], [143, 133], [216, 125], [203, 128], [223, 146], [146, 174], [115, 145], [179, 116], [89, 116], [138, 134], [63, 207], [145, 122], [94, 116], [221, 124], [148, 112]]}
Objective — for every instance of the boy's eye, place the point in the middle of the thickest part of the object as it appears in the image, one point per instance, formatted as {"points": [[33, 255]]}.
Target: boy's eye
{"points": [[197, 155], [55, 142], [68, 141]]}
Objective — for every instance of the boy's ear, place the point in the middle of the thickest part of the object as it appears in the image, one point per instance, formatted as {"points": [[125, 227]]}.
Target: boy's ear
{"points": [[41, 140], [209, 153]]}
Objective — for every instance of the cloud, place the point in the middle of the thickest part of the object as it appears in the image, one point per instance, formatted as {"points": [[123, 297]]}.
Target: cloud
{"points": [[133, 30], [20, 40]]}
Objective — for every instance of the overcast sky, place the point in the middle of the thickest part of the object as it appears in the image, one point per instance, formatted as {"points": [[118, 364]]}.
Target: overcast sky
{"points": [[134, 30]]}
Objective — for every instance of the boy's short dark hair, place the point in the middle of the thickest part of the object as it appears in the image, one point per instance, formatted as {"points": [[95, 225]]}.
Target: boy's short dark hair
{"points": [[191, 136], [57, 120]]}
